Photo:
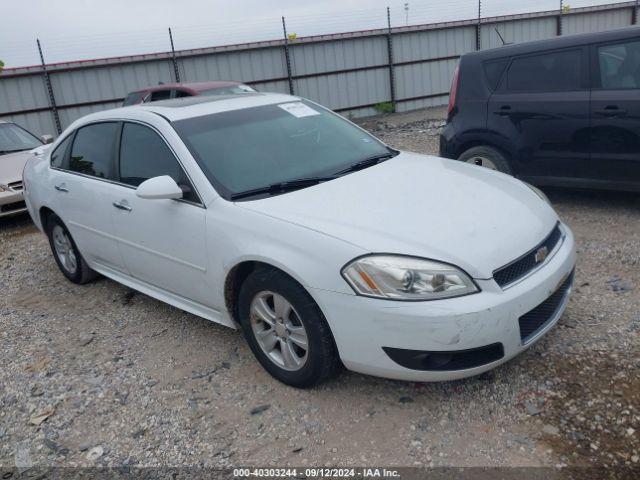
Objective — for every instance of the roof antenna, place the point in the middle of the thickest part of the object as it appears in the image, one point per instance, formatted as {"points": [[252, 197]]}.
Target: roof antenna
{"points": [[501, 39]]}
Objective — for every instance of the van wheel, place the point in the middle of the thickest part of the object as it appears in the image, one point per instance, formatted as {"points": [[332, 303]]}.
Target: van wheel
{"points": [[488, 157], [286, 330], [66, 254]]}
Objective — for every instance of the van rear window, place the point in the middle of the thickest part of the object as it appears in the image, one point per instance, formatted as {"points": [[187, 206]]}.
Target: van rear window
{"points": [[493, 71]]}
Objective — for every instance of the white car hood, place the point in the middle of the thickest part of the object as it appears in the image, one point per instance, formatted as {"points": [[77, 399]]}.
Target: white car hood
{"points": [[423, 206], [12, 164]]}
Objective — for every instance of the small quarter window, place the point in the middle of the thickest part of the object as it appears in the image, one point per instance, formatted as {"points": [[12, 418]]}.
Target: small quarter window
{"points": [[92, 150], [59, 155], [493, 72]]}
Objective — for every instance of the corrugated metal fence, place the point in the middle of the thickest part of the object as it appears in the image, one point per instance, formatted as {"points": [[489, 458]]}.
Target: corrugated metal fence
{"points": [[352, 73]]}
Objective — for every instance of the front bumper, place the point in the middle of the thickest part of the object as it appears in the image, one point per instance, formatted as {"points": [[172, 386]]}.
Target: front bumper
{"points": [[11, 203], [363, 327]]}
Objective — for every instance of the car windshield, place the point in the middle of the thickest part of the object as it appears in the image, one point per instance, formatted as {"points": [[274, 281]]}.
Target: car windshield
{"points": [[15, 139], [256, 147], [231, 90]]}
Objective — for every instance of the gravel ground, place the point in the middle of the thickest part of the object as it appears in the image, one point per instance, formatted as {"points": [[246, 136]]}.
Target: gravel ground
{"points": [[101, 375]]}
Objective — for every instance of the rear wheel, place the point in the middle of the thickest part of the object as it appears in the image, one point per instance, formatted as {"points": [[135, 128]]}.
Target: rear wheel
{"points": [[488, 157], [66, 254], [286, 330]]}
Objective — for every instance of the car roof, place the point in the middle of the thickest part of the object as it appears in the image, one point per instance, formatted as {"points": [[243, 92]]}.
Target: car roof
{"points": [[189, 107], [557, 42], [194, 86]]}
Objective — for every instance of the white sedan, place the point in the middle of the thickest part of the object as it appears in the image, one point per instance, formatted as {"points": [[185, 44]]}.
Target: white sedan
{"points": [[325, 246]]}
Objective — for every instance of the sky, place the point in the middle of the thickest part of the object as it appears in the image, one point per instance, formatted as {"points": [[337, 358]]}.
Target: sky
{"points": [[81, 29]]}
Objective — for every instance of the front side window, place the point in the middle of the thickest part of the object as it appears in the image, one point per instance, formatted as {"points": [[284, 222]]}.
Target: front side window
{"points": [[58, 156], [620, 65], [548, 72], [92, 150], [16, 139], [144, 155], [160, 95], [256, 147]]}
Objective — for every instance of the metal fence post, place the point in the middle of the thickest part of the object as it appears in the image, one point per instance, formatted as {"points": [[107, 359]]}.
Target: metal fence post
{"points": [[478, 44], [47, 82], [173, 58], [559, 20], [634, 13], [392, 79], [287, 56]]}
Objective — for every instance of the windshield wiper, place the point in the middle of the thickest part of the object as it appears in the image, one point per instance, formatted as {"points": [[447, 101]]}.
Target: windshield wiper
{"points": [[282, 187], [367, 162]]}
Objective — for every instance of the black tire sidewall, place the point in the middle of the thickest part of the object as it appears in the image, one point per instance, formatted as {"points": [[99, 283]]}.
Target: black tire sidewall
{"points": [[76, 277], [318, 356], [492, 154]]}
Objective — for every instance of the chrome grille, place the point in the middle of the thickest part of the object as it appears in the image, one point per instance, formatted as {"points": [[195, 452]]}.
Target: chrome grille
{"points": [[528, 262]]}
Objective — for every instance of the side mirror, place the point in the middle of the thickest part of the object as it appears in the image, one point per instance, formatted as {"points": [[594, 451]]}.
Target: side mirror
{"points": [[155, 188], [47, 139]]}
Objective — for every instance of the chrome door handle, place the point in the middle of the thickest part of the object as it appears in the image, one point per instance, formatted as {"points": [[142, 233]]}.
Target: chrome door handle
{"points": [[122, 206], [61, 188]]}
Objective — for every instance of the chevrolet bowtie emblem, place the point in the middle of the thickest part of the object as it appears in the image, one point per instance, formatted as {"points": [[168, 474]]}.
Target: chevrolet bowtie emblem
{"points": [[541, 254]]}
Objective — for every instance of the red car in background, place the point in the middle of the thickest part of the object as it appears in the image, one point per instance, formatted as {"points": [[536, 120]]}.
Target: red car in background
{"points": [[179, 90]]}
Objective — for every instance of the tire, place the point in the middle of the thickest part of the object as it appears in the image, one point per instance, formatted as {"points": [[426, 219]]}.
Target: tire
{"points": [[264, 295], [71, 264], [486, 156]]}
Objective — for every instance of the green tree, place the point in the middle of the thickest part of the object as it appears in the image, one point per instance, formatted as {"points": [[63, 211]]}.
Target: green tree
{"points": [[1, 65]]}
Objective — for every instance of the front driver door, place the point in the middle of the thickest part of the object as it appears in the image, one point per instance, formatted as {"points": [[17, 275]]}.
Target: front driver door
{"points": [[162, 241], [615, 114]]}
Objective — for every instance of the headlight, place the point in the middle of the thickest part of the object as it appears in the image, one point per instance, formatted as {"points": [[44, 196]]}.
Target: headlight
{"points": [[396, 277], [538, 192]]}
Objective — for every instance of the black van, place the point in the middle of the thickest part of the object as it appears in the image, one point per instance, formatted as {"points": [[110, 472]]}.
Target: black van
{"points": [[564, 111]]}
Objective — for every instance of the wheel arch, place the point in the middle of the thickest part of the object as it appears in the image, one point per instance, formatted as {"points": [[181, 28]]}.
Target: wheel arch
{"points": [[239, 272], [44, 213]]}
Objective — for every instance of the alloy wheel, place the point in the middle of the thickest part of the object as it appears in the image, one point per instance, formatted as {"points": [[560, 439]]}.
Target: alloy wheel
{"points": [[279, 331], [64, 249]]}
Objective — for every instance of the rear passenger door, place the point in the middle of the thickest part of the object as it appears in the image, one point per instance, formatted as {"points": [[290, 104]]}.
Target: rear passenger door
{"points": [[162, 241], [542, 107], [615, 113], [83, 171]]}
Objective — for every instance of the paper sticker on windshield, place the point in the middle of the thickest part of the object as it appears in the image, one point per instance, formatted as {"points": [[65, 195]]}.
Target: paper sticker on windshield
{"points": [[299, 109]]}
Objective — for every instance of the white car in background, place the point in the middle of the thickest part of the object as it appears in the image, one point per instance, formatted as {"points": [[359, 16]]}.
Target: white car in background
{"points": [[16, 145], [324, 245]]}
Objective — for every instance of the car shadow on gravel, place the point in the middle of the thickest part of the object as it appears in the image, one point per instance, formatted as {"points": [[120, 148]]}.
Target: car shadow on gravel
{"points": [[14, 223]]}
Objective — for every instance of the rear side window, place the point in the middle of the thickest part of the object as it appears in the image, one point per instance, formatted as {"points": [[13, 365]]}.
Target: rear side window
{"points": [[160, 95], [548, 72], [92, 150], [493, 71], [182, 93], [59, 155], [620, 65], [144, 155]]}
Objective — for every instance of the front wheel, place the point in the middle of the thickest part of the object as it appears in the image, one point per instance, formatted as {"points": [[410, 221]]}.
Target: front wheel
{"points": [[66, 253], [488, 157], [286, 330]]}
